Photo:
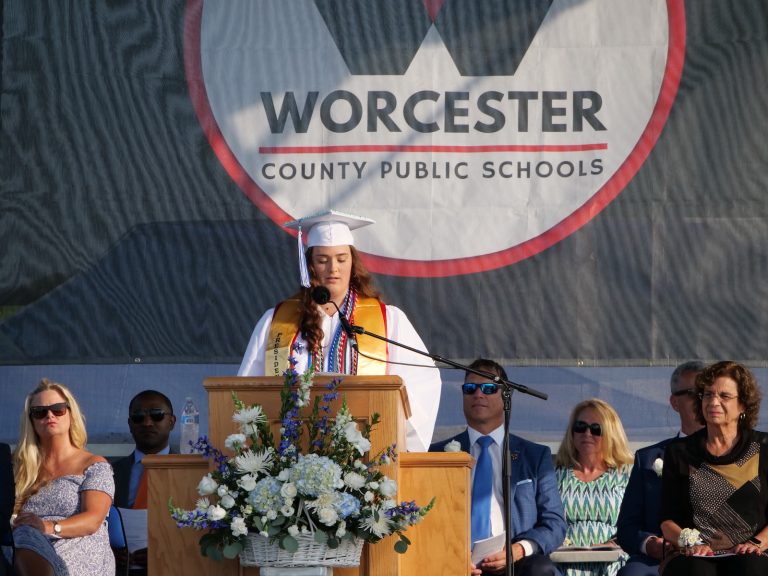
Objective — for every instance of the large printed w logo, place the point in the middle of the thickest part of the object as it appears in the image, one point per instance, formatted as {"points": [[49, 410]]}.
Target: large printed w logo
{"points": [[483, 37]]}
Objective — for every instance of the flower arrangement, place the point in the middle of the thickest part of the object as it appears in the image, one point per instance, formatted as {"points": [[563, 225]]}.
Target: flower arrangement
{"points": [[331, 492]]}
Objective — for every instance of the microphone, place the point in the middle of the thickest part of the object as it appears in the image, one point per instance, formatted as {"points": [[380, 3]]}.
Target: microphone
{"points": [[321, 295]]}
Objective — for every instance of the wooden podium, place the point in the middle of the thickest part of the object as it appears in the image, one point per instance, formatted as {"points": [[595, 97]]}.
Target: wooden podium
{"points": [[440, 543]]}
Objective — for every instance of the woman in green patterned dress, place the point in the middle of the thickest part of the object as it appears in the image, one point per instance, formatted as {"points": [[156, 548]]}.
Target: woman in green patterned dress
{"points": [[593, 465]]}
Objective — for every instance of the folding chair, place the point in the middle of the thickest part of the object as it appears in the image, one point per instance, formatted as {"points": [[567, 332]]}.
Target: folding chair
{"points": [[117, 539], [7, 499]]}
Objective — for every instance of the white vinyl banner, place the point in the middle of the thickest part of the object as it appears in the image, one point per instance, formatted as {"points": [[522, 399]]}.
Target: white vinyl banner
{"points": [[474, 137]]}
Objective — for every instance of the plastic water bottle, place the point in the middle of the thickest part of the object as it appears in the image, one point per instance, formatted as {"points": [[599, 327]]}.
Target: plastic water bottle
{"points": [[190, 425]]}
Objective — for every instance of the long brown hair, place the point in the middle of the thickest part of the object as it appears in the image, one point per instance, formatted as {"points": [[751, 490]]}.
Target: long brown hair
{"points": [[360, 279]]}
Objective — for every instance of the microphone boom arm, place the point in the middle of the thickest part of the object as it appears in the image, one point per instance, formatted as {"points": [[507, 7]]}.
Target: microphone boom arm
{"points": [[496, 379]]}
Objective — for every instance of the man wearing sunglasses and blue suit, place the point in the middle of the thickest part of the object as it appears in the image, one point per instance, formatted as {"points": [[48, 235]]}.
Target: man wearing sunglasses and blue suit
{"points": [[638, 530], [150, 420], [538, 520]]}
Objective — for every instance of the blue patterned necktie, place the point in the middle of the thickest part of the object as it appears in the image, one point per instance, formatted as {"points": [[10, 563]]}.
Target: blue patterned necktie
{"points": [[482, 491]]}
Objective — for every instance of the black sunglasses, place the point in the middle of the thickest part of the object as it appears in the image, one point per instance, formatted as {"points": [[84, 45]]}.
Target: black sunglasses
{"points": [[40, 412], [156, 414], [580, 427], [686, 392], [486, 388]]}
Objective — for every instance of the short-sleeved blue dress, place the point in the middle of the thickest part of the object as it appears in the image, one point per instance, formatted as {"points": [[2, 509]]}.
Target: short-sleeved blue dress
{"points": [[60, 499]]}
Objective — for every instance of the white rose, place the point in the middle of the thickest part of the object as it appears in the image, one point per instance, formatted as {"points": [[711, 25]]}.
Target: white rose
{"points": [[342, 529], [388, 487], [284, 475], [287, 511], [271, 514], [247, 482], [453, 446], [373, 485], [216, 512], [227, 501], [235, 441], [293, 530], [360, 465], [354, 480], [207, 486], [658, 466], [369, 496], [288, 490], [222, 490], [327, 516], [238, 527]]}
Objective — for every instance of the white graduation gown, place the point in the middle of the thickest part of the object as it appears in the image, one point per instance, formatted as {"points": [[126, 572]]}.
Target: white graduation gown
{"points": [[423, 383]]}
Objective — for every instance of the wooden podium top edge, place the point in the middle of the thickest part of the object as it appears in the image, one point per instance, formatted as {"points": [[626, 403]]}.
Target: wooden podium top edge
{"points": [[174, 461], [435, 460], [348, 383], [385, 382]]}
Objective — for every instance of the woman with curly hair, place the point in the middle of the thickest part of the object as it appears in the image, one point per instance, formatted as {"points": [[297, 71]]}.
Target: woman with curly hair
{"points": [[592, 469], [714, 507], [63, 491], [313, 331]]}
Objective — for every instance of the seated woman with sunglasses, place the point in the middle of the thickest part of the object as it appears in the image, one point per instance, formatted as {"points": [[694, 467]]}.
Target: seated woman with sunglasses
{"points": [[63, 491], [714, 498], [592, 469]]}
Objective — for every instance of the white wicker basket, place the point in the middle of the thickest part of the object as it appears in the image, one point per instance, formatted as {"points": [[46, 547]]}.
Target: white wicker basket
{"points": [[259, 551]]}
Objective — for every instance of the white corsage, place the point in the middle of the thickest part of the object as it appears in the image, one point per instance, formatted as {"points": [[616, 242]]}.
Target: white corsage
{"points": [[453, 446], [658, 466], [689, 537]]}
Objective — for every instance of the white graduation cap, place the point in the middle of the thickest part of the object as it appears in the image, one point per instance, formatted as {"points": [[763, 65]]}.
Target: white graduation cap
{"points": [[328, 228]]}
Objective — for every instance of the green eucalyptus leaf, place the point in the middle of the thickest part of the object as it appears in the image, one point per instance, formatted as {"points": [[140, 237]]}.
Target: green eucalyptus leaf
{"points": [[401, 547], [333, 542], [404, 538], [321, 537], [279, 521], [289, 544], [214, 553], [232, 550]]}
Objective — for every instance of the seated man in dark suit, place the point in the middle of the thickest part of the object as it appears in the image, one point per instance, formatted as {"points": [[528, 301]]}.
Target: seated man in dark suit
{"points": [[638, 530], [538, 520], [7, 497], [150, 419]]}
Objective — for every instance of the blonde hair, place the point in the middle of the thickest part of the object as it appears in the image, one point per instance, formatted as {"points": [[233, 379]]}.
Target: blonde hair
{"points": [[28, 456], [616, 451]]}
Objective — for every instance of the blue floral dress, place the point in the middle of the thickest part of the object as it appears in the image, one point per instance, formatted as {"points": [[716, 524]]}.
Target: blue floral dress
{"points": [[60, 499], [591, 512]]}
